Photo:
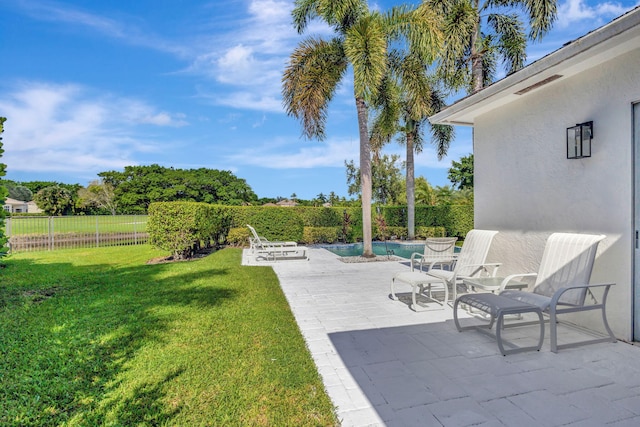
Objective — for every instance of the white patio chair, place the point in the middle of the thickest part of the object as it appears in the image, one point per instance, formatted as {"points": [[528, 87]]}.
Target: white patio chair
{"points": [[438, 251], [470, 262], [562, 283]]}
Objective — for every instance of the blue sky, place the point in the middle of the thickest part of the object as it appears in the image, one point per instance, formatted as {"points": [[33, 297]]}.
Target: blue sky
{"points": [[91, 86]]}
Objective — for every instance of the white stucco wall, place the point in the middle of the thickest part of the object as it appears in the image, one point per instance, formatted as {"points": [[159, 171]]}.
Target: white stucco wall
{"points": [[526, 188]]}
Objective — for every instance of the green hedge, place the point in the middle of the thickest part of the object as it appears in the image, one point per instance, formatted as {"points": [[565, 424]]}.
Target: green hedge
{"points": [[313, 235], [238, 236], [185, 227], [290, 223]]}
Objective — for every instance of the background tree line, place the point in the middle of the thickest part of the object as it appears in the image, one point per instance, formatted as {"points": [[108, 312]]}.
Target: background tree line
{"points": [[132, 190]]}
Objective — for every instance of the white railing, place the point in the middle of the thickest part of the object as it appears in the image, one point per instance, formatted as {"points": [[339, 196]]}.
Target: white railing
{"points": [[40, 233]]}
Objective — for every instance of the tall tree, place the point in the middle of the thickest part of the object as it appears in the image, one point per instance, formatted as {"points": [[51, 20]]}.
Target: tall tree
{"points": [[425, 193], [360, 40], [386, 179], [480, 33], [3, 194], [138, 186], [19, 192], [55, 201], [99, 194], [461, 173], [408, 97]]}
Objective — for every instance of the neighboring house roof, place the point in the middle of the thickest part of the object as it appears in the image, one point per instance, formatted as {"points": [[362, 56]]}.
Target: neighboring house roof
{"points": [[603, 44], [14, 202], [287, 203]]}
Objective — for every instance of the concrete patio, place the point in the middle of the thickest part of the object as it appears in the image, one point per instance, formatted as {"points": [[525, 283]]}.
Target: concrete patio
{"points": [[385, 365]]}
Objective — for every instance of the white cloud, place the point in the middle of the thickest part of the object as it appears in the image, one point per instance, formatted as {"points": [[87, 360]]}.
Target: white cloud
{"points": [[254, 100], [253, 56], [278, 154], [260, 122], [67, 128], [572, 11]]}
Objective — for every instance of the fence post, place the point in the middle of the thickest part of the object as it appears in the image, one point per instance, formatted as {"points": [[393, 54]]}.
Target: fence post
{"points": [[135, 229], [50, 227], [7, 226]]}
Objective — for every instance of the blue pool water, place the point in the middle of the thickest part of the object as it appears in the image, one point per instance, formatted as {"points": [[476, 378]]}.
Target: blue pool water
{"points": [[403, 250]]}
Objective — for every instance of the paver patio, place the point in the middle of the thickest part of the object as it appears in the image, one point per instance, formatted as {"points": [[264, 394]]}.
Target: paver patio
{"points": [[385, 365]]}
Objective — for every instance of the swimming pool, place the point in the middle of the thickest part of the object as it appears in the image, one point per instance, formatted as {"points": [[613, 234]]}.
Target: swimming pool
{"points": [[403, 250]]}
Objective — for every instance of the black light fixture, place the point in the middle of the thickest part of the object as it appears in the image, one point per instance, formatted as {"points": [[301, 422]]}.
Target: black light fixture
{"points": [[579, 140]]}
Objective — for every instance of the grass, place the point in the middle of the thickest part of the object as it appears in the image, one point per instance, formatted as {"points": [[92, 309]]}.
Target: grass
{"points": [[98, 337], [78, 224]]}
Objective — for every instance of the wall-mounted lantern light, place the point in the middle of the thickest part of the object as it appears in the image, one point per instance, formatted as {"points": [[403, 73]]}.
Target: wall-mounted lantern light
{"points": [[579, 140]]}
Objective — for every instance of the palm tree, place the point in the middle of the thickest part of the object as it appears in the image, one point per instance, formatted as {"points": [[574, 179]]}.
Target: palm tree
{"points": [[478, 34], [317, 66], [424, 193], [408, 97]]}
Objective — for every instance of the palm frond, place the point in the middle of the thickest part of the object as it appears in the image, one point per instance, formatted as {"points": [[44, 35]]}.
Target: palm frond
{"points": [[461, 22], [387, 114], [542, 15], [342, 14], [512, 42], [310, 78], [489, 59], [303, 12], [420, 27], [417, 88], [441, 137], [426, 33], [365, 46]]}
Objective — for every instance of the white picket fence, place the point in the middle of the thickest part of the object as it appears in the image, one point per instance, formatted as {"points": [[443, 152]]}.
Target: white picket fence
{"points": [[38, 233]]}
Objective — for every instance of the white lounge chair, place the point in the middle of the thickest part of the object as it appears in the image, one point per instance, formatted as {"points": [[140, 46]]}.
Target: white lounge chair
{"points": [[258, 240], [438, 251], [562, 283], [260, 247], [470, 262]]}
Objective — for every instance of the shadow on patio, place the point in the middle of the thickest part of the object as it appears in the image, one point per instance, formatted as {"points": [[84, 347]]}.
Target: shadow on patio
{"points": [[430, 374]]}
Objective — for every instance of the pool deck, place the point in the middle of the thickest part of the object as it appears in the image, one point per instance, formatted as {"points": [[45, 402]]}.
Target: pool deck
{"points": [[385, 365]]}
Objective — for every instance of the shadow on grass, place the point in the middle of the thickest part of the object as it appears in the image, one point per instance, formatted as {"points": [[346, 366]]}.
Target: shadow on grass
{"points": [[68, 332], [144, 406]]}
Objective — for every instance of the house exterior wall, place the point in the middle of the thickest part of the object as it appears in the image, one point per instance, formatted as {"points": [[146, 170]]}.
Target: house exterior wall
{"points": [[526, 188], [15, 206]]}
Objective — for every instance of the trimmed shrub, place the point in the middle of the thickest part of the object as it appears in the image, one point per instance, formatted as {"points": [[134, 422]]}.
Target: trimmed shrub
{"points": [[397, 232], [319, 217], [424, 232], [313, 235], [185, 227], [238, 236], [461, 220], [287, 223], [278, 224]]}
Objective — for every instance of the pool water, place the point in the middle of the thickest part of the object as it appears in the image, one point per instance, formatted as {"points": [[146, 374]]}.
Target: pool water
{"points": [[403, 250]]}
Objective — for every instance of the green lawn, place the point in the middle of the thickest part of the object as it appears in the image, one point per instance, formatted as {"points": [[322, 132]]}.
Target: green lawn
{"points": [[77, 224], [98, 337]]}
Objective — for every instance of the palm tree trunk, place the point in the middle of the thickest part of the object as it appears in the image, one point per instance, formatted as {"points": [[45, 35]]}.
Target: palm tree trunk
{"points": [[476, 58], [411, 195], [365, 177]]}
